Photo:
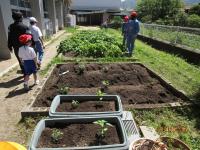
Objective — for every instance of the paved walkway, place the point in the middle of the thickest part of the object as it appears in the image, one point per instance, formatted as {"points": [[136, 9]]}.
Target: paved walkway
{"points": [[13, 98]]}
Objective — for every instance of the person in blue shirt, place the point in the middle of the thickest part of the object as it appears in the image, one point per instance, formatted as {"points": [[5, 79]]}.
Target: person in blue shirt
{"points": [[133, 29], [124, 30]]}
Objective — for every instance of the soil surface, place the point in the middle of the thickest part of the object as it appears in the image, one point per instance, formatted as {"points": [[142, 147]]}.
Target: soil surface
{"points": [[132, 82], [79, 135], [87, 106]]}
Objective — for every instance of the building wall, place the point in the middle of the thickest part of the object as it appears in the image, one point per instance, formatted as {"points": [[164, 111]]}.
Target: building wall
{"points": [[96, 4]]}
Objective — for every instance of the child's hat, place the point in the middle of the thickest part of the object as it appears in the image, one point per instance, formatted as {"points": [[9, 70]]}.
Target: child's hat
{"points": [[33, 19], [24, 38]]}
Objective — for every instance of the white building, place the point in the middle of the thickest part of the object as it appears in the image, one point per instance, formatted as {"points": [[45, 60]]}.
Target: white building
{"points": [[94, 12], [49, 14]]}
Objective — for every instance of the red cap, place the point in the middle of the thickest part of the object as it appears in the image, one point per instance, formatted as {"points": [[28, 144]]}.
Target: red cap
{"points": [[24, 38], [126, 18], [134, 14]]}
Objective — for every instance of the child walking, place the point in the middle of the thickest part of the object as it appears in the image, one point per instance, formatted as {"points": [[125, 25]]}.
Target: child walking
{"points": [[29, 59]]}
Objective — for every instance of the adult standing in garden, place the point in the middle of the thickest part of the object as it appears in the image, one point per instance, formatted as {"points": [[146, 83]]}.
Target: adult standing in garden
{"points": [[124, 30], [14, 31], [37, 38], [133, 29]]}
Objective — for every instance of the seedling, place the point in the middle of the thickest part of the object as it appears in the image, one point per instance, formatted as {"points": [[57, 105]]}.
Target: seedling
{"points": [[105, 83], [100, 94], [75, 104], [103, 127], [56, 135], [64, 90], [81, 69], [105, 69]]}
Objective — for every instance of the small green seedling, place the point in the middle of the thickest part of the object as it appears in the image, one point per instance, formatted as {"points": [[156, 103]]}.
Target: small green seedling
{"points": [[104, 127], [100, 94], [81, 69], [75, 104], [56, 136], [105, 83], [64, 90], [105, 69]]}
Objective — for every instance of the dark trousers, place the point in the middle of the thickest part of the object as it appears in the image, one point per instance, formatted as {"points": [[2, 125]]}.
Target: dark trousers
{"points": [[16, 50]]}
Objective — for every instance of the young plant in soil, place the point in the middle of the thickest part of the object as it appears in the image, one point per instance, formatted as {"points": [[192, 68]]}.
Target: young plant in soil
{"points": [[64, 90], [100, 135], [56, 136], [100, 94], [75, 104], [105, 84], [81, 69]]}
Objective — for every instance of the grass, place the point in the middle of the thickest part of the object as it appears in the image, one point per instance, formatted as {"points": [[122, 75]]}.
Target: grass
{"points": [[181, 123], [71, 29], [187, 39], [181, 74]]}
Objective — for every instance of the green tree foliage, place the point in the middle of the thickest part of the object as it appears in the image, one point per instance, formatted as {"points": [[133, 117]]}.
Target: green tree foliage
{"points": [[152, 10], [195, 10], [194, 21]]}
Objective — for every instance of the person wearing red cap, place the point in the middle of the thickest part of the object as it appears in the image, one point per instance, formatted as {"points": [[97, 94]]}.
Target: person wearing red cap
{"points": [[133, 29], [28, 57], [124, 30]]}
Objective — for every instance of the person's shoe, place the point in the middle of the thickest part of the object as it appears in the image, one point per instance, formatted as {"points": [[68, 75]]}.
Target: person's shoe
{"points": [[36, 82], [26, 87]]}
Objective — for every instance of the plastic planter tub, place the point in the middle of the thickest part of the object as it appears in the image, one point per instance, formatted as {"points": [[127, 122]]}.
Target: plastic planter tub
{"points": [[52, 123], [81, 98]]}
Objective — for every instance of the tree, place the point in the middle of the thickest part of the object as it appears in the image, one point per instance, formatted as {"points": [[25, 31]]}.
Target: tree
{"points": [[159, 9], [195, 9]]}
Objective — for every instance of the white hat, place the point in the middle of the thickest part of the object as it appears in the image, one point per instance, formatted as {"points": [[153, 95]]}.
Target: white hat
{"points": [[33, 19]]}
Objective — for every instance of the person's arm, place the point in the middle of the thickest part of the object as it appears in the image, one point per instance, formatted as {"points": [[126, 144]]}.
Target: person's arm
{"points": [[41, 37], [34, 57], [137, 28], [9, 40]]}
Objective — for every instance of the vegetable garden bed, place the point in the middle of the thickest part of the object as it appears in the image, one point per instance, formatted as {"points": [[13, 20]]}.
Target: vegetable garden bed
{"points": [[137, 86]]}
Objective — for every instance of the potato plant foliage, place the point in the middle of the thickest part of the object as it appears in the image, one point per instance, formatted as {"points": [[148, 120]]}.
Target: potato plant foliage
{"points": [[92, 44]]}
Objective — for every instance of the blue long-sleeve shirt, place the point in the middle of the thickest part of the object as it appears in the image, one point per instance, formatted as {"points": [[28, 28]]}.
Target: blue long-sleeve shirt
{"points": [[133, 27], [124, 27]]}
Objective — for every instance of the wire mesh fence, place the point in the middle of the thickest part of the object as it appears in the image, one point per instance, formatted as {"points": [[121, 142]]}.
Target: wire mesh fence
{"points": [[189, 37]]}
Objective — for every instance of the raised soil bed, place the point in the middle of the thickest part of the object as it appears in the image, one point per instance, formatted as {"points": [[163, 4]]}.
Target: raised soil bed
{"points": [[133, 82], [85, 105], [79, 133]]}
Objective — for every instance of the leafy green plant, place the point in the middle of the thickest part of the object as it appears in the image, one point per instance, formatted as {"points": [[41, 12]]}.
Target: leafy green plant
{"points": [[105, 83], [81, 69], [64, 90], [103, 127], [100, 94], [75, 104], [92, 44], [56, 136]]}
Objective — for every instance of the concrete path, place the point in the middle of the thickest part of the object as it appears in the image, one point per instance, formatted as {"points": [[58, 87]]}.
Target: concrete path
{"points": [[13, 98]]}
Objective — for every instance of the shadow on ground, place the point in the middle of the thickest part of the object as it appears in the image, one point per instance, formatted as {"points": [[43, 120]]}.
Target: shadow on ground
{"points": [[12, 83], [192, 113], [16, 92]]}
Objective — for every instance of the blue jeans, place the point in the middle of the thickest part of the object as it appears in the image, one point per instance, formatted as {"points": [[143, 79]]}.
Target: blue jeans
{"points": [[39, 50], [130, 43]]}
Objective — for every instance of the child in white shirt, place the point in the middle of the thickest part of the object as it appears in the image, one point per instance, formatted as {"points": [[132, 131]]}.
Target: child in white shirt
{"points": [[28, 58]]}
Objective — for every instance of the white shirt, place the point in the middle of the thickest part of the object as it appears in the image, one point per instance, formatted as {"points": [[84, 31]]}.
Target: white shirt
{"points": [[36, 32], [26, 53]]}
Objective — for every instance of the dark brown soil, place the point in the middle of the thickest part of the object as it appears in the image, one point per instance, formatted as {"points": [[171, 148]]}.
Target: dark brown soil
{"points": [[132, 82], [79, 135], [87, 106]]}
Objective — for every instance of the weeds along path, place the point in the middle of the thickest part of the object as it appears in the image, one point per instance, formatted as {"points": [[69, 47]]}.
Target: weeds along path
{"points": [[13, 98]]}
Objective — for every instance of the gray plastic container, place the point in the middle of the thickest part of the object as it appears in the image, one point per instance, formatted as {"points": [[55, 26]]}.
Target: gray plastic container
{"points": [[51, 122], [63, 98]]}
